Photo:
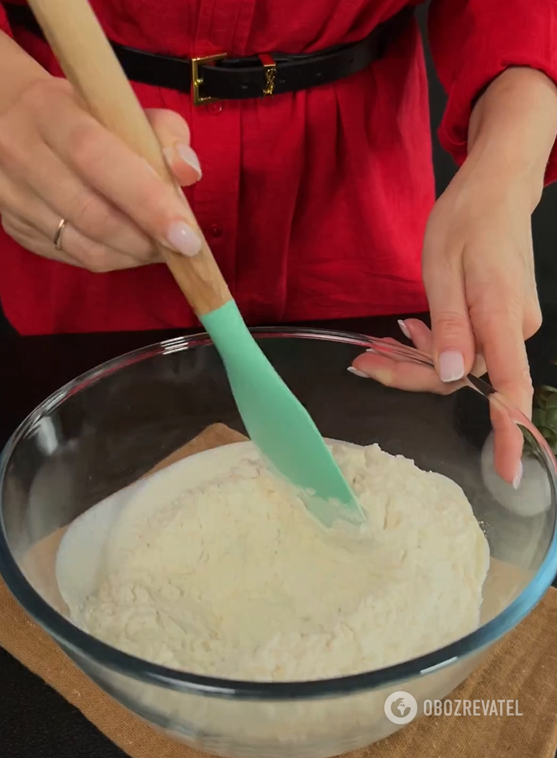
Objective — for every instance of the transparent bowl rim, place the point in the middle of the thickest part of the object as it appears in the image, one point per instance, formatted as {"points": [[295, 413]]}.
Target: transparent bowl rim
{"points": [[80, 644]]}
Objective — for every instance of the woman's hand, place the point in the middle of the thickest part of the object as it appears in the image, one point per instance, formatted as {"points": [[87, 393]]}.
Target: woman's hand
{"points": [[478, 263], [479, 275], [478, 268], [57, 162]]}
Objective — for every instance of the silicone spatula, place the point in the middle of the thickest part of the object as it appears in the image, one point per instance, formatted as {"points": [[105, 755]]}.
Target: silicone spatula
{"points": [[275, 420]]}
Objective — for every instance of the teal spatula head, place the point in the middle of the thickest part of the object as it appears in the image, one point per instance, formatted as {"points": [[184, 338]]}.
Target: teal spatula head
{"points": [[278, 423]]}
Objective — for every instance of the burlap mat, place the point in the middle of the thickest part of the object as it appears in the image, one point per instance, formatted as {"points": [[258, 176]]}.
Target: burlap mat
{"points": [[523, 668]]}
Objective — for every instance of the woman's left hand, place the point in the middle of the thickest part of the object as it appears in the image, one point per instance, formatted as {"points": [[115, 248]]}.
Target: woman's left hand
{"points": [[478, 269], [478, 263]]}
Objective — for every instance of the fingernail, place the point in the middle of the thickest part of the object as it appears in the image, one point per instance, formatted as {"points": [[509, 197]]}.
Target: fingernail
{"points": [[183, 239], [357, 373], [404, 329], [372, 350], [189, 156], [451, 366], [518, 476]]}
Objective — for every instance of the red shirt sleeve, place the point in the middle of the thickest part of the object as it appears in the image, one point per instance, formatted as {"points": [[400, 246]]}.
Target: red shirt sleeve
{"points": [[473, 41], [4, 26]]}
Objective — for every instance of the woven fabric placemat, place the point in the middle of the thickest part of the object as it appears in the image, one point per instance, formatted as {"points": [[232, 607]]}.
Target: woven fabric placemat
{"points": [[521, 668]]}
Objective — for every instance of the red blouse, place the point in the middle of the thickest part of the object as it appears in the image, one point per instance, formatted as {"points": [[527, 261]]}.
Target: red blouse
{"points": [[314, 203]]}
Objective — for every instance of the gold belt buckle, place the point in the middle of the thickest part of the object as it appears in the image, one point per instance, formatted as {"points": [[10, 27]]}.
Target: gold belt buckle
{"points": [[197, 81], [270, 69]]}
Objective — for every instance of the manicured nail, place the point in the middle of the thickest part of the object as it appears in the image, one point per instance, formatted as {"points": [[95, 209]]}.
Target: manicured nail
{"points": [[183, 239], [357, 373], [404, 329], [189, 156], [518, 476], [451, 366]]}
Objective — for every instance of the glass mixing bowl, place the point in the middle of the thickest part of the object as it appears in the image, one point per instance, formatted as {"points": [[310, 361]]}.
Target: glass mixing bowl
{"points": [[110, 426]]}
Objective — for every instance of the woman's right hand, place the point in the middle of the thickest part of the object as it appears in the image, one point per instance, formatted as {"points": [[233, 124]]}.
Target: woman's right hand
{"points": [[57, 162]]}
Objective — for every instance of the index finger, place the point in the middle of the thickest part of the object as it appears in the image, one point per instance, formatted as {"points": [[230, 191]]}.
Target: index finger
{"points": [[108, 165], [509, 373]]}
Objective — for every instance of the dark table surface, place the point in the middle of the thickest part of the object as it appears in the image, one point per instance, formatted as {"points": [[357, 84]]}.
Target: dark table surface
{"points": [[36, 722]]}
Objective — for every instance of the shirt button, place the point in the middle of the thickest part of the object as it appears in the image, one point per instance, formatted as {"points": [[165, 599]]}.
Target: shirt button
{"points": [[214, 108], [215, 230]]}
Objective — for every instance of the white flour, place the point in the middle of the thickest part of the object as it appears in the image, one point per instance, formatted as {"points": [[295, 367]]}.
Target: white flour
{"points": [[212, 566]]}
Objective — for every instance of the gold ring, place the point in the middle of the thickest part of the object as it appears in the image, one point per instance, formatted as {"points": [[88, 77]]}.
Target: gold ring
{"points": [[58, 236]]}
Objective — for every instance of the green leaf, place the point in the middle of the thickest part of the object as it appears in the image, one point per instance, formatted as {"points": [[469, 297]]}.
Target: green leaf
{"points": [[551, 419], [538, 417], [547, 433], [547, 388], [540, 398], [552, 400]]}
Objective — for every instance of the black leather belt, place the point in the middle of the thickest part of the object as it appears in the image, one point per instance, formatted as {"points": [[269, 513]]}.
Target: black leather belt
{"points": [[219, 77]]}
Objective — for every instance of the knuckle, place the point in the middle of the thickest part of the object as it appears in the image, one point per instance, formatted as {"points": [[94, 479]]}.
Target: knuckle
{"points": [[92, 256], [450, 323], [523, 376], [532, 321], [92, 216], [521, 382], [506, 307], [82, 143], [158, 198], [13, 225], [43, 96], [5, 221], [38, 102], [17, 231], [169, 122], [6, 140], [100, 266], [512, 301], [38, 95]]}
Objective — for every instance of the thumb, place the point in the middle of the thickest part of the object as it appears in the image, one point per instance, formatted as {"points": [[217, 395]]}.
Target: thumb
{"points": [[174, 135], [454, 350]]}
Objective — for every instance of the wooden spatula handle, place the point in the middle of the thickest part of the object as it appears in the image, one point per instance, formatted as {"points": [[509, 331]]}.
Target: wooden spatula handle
{"points": [[89, 63]]}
